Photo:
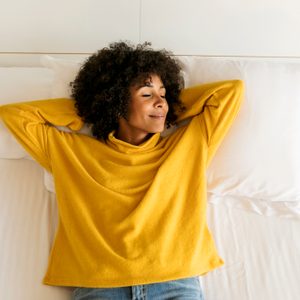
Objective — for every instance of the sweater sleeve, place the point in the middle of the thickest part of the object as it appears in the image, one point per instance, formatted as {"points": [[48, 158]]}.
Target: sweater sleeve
{"points": [[30, 123], [215, 105]]}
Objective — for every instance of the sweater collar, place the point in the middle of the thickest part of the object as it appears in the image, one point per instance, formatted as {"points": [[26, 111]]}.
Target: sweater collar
{"points": [[129, 148]]}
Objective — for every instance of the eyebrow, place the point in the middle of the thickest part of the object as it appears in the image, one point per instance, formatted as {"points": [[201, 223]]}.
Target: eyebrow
{"points": [[148, 84]]}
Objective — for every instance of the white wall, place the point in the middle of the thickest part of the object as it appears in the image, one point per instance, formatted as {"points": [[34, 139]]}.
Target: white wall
{"points": [[187, 27]]}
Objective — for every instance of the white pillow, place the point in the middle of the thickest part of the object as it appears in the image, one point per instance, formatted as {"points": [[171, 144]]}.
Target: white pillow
{"points": [[65, 72], [258, 159], [18, 84]]}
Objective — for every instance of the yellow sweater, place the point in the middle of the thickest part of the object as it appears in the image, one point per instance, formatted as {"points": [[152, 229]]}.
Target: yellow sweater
{"points": [[128, 214]]}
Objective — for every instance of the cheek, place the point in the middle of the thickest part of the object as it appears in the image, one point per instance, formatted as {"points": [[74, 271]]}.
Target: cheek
{"points": [[137, 114], [141, 109]]}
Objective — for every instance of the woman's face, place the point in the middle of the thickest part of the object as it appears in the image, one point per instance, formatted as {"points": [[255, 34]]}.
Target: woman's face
{"points": [[147, 111]]}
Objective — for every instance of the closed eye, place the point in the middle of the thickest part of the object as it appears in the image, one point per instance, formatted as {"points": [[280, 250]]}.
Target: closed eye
{"points": [[148, 95]]}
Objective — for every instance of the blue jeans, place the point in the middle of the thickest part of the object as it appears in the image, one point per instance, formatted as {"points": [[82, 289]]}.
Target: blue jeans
{"points": [[181, 289]]}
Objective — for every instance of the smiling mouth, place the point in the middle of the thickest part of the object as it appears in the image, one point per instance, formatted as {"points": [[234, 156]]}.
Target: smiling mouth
{"points": [[157, 116]]}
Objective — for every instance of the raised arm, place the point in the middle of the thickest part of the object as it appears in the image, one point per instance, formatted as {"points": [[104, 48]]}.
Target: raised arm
{"points": [[30, 122], [216, 106]]}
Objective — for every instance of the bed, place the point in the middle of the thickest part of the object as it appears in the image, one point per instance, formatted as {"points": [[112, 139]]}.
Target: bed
{"points": [[253, 182]]}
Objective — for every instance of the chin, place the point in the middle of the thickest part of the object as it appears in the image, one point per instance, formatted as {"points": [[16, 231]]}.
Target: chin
{"points": [[157, 130]]}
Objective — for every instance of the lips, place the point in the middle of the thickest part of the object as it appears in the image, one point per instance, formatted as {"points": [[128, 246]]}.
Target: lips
{"points": [[157, 116]]}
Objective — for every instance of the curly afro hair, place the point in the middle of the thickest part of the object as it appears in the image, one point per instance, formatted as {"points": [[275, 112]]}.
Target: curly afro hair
{"points": [[101, 89]]}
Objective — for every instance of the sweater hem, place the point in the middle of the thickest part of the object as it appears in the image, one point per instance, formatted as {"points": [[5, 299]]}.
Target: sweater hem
{"points": [[123, 283]]}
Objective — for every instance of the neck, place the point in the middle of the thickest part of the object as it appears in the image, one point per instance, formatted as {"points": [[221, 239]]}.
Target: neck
{"points": [[131, 138]]}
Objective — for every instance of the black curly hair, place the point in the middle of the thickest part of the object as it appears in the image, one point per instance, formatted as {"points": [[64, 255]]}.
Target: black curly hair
{"points": [[101, 89]]}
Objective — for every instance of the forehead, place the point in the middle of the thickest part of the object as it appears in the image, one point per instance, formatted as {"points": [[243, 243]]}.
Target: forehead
{"points": [[147, 81]]}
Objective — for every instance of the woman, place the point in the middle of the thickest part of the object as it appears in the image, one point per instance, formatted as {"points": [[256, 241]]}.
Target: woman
{"points": [[131, 203]]}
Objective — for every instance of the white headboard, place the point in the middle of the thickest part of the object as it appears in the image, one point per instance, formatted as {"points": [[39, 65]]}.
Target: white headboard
{"points": [[252, 28]]}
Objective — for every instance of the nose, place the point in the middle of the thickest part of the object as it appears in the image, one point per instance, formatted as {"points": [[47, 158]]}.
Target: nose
{"points": [[159, 101]]}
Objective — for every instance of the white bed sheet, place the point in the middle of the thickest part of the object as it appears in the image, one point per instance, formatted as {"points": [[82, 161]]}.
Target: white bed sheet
{"points": [[27, 222], [262, 255]]}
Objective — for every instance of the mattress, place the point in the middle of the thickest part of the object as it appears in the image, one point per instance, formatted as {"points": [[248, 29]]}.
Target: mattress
{"points": [[253, 185]]}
